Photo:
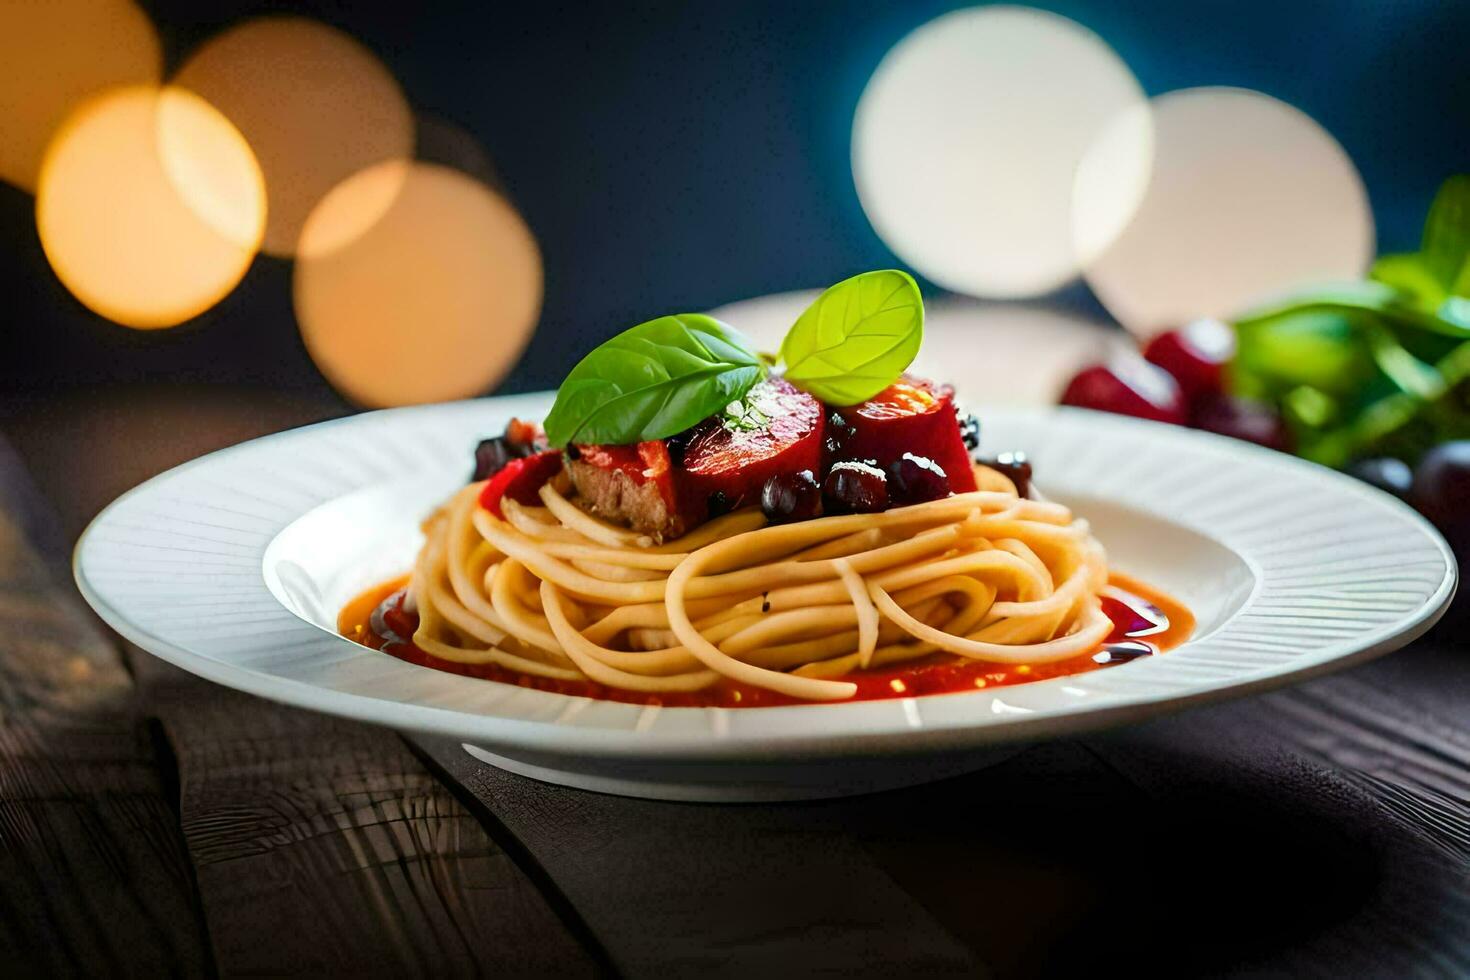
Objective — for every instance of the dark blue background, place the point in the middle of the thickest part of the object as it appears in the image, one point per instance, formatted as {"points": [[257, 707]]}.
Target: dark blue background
{"points": [[675, 156]]}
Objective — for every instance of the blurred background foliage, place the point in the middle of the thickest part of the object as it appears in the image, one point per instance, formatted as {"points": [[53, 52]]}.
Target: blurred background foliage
{"points": [[1377, 368]]}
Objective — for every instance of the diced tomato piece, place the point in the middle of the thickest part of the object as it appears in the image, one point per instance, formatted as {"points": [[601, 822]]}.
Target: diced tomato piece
{"points": [[912, 415], [520, 480], [785, 436], [657, 467]]}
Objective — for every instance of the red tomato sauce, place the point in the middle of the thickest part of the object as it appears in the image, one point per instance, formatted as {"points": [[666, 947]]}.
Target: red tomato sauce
{"points": [[1145, 623]]}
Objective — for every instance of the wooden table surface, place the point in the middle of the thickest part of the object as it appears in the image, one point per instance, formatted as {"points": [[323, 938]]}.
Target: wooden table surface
{"points": [[153, 823]]}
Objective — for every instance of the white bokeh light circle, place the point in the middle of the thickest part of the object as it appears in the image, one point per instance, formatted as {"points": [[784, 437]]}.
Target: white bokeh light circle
{"points": [[966, 142], [1249, 197]]}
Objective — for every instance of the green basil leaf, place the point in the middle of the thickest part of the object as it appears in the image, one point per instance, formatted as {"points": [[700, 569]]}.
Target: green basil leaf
{"points": [[652, 381], [1446, 244], [857, 338]]}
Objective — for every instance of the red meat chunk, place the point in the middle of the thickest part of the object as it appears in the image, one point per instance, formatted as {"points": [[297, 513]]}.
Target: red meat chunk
{"points": [[912, 415], [632, 485], [668, 487], [783, 434]]}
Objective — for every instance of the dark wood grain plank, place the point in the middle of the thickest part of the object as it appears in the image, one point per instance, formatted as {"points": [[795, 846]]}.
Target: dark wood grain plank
{"points": [[94, 878], [32, 516], [324, 846], [712, 891], [320, 846], [1239, 839], [1361, 778]]}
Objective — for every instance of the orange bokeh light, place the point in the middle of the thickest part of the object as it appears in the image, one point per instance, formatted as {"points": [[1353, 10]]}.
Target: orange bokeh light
{"points": [[430, 300], [315, 105], [54, 54], [150, 206]]}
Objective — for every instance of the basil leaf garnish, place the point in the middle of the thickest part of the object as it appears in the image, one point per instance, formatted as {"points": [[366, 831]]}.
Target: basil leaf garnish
{"points": [[857, 338], [652, 381]]}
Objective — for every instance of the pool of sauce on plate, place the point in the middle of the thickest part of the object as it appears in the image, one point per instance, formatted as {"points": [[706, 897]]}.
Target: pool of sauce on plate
{"points": [[1145, 623]]}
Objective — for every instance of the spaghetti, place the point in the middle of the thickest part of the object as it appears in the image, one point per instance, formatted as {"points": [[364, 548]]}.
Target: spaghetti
{"points": [[554, 592]]}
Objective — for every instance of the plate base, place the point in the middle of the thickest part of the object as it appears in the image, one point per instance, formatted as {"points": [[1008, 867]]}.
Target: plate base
{"points": [[738, 782]]}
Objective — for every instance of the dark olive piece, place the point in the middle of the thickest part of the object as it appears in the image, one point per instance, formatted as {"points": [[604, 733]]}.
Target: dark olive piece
{"points": [[854, 488], [719, 504], [915, 479], [491, 456], [838, 426], [678, 445], [573, 453], [1016, 466], [969, 428], [834, 440], [791, 497]]}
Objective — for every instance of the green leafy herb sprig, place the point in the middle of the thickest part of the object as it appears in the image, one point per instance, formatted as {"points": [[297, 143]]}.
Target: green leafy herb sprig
{"points": [[857, 338], [660, 377], [653, 380], [1379, 367]]}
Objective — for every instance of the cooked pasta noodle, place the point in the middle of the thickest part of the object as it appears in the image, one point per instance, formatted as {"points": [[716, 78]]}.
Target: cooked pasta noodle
{"points": [[554, 591]]}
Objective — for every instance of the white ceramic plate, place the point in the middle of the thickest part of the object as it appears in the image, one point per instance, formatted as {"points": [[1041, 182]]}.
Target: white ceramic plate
{"points": [[234, 567]]}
